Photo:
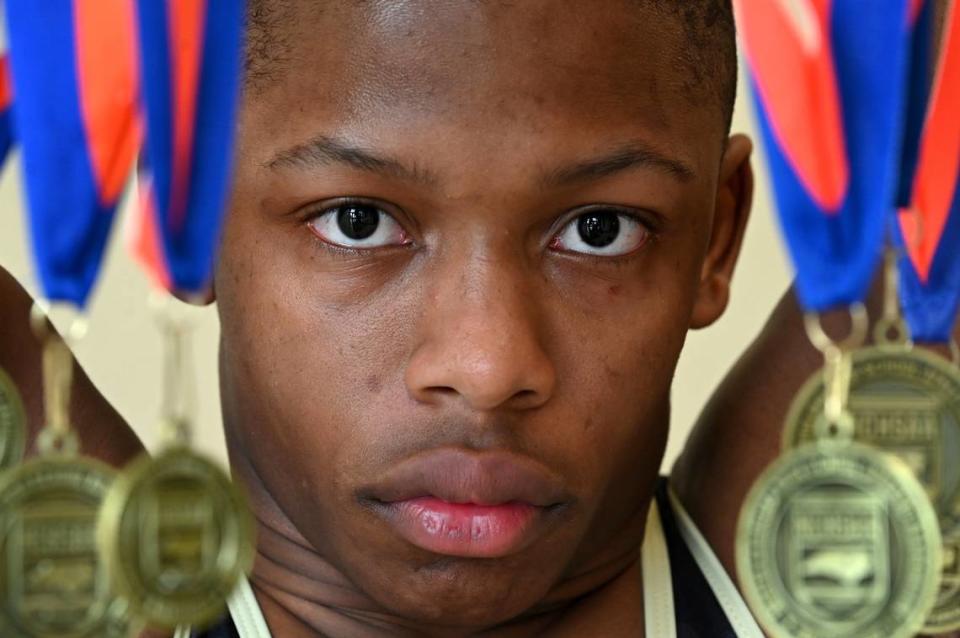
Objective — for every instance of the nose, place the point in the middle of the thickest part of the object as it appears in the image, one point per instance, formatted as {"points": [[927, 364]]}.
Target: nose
{"points": [[482, 341]]}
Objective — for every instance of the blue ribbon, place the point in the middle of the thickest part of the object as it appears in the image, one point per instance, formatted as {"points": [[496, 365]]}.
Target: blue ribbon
{"points": [[189, 236], [836, 253]]}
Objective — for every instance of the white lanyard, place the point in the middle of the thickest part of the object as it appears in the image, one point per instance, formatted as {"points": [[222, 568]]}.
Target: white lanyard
{"points": [[659, 616], [246, 612], [741, 620]]}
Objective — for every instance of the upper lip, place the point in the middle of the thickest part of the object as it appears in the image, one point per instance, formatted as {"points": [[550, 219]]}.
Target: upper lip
{"points": [[458, 476]]}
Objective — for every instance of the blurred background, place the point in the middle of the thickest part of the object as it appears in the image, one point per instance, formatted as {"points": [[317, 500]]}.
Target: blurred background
{"points": [[122, 351]]}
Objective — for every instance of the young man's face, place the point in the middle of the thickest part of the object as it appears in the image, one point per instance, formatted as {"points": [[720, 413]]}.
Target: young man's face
{"points": [[467, 240]]}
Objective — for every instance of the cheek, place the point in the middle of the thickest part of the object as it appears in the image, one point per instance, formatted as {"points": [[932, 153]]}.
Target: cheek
{"points": [[615, 347], [310, 365]]}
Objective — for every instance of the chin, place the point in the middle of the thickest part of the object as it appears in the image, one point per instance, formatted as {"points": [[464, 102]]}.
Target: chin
{"points": [[462, 594]]}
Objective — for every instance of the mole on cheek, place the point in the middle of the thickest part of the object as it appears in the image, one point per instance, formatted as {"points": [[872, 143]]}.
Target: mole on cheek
{"points": [[373, 384], [614, 291]]}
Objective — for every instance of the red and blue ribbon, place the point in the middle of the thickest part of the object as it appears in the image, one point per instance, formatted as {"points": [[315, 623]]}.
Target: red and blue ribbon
{"points": [[191, 63], [828, 82], [75, 116], [928, 223], [6, 95], [6, 100]]}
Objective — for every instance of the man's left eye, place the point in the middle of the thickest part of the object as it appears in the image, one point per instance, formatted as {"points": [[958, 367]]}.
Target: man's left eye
{"points": [[602, 232]]}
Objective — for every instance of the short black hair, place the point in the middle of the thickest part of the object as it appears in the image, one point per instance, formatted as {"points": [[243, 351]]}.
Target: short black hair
{"points": [[708, 52]]}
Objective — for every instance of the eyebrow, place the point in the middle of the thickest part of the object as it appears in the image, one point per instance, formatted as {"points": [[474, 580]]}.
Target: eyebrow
{"points": [[323, 150], [634, 155]]}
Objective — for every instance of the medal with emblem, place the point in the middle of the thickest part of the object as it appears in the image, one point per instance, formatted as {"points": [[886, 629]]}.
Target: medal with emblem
{"points": [[13, 423], [176, 534], [52, 580], [904, 401], [837, 538], [177, 538]]}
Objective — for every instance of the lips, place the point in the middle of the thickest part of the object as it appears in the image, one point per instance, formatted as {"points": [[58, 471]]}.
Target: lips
{"points": [[458, 503]]}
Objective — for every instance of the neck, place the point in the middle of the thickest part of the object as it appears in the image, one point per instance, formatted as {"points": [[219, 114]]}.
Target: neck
{"points": [[303, 595]]}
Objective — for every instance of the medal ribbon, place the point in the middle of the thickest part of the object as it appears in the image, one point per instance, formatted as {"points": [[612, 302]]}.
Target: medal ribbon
{"points": [[830, 119], [929, 217], [74, 75], [191, 61], [6, 100]]}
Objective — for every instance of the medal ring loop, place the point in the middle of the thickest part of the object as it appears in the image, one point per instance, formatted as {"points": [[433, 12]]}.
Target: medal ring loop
{"points": [[54, 441], [837, 430], [859, 326], [892, 331]]}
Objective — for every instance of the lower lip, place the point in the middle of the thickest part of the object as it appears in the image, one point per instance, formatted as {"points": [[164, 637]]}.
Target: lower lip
{"points": [[464, 529]]}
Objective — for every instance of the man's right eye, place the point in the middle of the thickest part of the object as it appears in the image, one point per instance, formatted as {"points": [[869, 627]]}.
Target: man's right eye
{"points": [[358, 225]]}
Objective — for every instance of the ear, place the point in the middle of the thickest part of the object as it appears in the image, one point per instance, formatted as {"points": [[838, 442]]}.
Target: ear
{"points": [[731, 212]]}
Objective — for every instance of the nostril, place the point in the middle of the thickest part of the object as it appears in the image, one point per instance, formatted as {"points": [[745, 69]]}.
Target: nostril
{"points": [[526, 399]]}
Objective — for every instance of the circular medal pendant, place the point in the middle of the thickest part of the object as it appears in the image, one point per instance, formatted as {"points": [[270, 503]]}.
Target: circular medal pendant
{"points": [[13, 423], [177, 537], [905, 402], [838, 540], [945, 616], [52, 582]]}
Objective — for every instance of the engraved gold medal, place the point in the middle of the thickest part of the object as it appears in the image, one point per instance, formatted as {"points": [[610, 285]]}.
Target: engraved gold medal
{"points": [[52, 582], [13, 423], [904, 401], [176, 535], [175, 532], [839, 540]]}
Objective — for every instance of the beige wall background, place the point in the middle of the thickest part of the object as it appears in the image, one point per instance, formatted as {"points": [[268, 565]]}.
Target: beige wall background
{"points": [[122, 350]]}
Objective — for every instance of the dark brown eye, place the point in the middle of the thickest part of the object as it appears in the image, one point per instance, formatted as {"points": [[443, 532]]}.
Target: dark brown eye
{"points": [[604, 232], [598, 229], [358, 225], [358, 221]]}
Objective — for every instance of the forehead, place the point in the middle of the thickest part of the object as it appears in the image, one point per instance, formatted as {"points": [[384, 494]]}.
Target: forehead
{"points": [[526, 67]]}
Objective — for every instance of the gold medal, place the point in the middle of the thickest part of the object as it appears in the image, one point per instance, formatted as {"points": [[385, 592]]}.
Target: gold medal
{"points": [[52, 582], [904, 401], [945, 616], [176, 536], [13, 423], [836, 539]]}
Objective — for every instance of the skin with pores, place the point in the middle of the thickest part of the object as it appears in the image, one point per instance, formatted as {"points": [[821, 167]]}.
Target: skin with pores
{"points": [[472, 327]]}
